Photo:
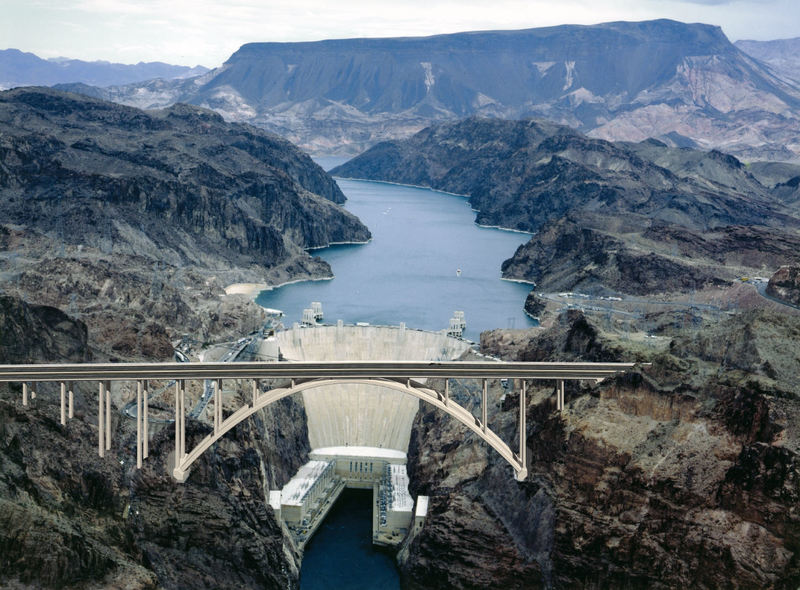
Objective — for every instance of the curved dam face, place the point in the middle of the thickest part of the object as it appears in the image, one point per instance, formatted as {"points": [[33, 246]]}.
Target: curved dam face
{"points": [[363, 415]]}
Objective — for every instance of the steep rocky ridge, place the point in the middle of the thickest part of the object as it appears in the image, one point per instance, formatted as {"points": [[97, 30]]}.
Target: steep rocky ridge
{"points": [[154, 212], [634, 218], [69, 519], [523, 174], [785, 284], [684, 83], [32, 333], [782, 55], [677, 474]]}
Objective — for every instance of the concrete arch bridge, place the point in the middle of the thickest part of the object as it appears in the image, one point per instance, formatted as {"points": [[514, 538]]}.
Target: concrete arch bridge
{"points": [[400, 376]]}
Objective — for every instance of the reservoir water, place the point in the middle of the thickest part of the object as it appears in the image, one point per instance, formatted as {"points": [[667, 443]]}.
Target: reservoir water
{"points": [[426, 259], [407, 273]]}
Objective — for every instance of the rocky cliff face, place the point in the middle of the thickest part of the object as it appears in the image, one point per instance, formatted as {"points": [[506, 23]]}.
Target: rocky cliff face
{"points": [[145, 216], [781, 55], [567, 257], [71, 519], [37, 333], [675, 475], [523, 174], [631, 218], [785, 284], [683, 83]]}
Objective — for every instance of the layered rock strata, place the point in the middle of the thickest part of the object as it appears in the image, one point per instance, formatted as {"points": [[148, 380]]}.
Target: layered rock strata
{"points": [[674, 475]]}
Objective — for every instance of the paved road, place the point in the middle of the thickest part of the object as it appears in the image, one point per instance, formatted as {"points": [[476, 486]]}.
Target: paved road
{"points": [[761, 287], [584, 301], [208, 385], [129, 409], [397, 370]]}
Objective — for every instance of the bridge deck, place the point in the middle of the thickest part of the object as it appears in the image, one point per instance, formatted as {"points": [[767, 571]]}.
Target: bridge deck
{"points": [[310, 370]]}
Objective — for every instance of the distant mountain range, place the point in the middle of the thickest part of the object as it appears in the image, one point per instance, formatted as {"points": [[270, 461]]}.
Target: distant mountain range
{"points": [[783, 55], [18, 68], [684, 84]]}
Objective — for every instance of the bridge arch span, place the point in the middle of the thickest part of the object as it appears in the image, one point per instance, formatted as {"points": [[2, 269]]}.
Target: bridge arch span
{"points": [[184, 461]]}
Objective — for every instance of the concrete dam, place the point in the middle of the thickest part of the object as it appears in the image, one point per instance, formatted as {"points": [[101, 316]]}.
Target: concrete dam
{"points": [[359, 433]]}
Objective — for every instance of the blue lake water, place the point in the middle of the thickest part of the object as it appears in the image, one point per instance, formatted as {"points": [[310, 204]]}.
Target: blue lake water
{"points": [[409, 271]]}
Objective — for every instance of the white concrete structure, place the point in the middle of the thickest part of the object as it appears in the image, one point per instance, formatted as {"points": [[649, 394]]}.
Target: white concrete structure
{"points": [[316, 308], [359, 467], [308, 317], [395, 507], [363, 415], [421, 512], [300, 497], [268, 349]]}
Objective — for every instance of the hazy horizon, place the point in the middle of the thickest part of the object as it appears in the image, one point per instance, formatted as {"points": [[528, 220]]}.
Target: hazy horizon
{"points": [[208, 32]]}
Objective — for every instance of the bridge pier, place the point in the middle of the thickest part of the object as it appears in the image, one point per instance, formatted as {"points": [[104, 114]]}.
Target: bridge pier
{"points": [[180, 431], [217, 406], [522, 474], [108, 415], [139, 420], [145, 425], [560, 395], [484, 409], [180, 441], [101, 419], [63, 404]]}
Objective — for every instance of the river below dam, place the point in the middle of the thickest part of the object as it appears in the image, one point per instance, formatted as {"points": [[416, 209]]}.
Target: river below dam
{"points": [[427, 258]]}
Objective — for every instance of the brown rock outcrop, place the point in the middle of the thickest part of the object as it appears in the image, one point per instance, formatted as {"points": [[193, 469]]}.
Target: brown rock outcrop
{"points": [[785, 284], [71, 519], [676, 476]]}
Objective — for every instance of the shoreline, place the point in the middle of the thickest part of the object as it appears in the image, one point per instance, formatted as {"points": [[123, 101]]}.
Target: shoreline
{"points": [[253, 290], [435, 190], [522, 281], [312, 248], [428, 188]]}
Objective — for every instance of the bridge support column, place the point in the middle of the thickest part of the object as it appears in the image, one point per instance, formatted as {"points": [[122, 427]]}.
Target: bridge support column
{"points": [[101, 420], [255, 392], [484, 409], [139, 419], [24, 394], [560, 395], [63, 404], [145, 425], [180, 431], [217, 405], [108, 415], [71, 408], [446, 390], [523, 445]]}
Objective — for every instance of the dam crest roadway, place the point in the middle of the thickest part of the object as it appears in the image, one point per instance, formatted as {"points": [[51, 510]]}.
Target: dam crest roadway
{"points": [[360, 401]]}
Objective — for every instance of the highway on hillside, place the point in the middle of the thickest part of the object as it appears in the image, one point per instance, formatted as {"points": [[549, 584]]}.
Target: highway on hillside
{"points": [[208, 390]]}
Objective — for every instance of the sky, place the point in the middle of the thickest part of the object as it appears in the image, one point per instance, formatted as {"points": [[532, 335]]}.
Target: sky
{"points": [[207, 32]]}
